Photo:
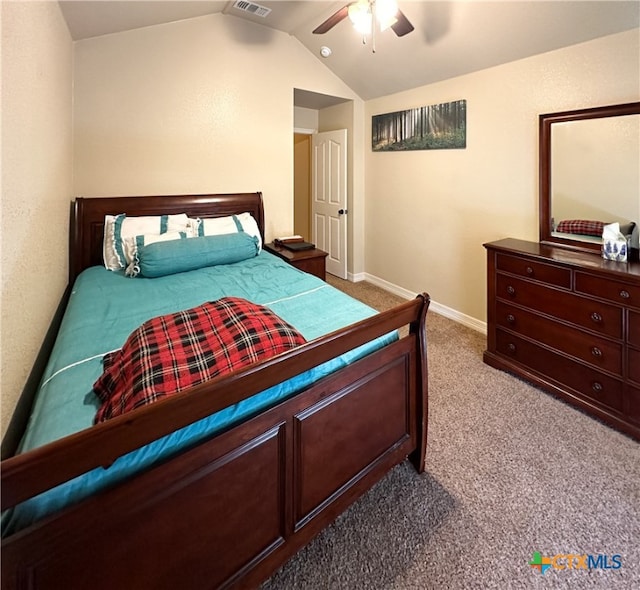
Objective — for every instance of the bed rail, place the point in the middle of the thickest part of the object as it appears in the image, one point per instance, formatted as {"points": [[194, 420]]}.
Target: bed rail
{"points": [[26, 475]]}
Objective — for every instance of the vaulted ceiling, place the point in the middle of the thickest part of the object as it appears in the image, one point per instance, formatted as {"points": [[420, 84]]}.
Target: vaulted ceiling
{"points": [[451, 38]]}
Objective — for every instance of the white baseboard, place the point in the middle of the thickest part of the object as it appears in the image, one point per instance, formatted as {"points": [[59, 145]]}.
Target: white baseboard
{"points": [[457, 316], [434, 306]]}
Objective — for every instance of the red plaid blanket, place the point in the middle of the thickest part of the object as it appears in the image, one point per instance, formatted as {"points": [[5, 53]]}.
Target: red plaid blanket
{"points": [[583, 227], [173, 352]]}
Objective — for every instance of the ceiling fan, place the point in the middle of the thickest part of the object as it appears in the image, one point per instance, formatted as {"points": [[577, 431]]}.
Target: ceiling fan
{"points": [[366, 14]]}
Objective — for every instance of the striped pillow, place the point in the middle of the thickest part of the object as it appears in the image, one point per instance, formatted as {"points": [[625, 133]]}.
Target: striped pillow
{"points": [[243, 222], [118, 228]]}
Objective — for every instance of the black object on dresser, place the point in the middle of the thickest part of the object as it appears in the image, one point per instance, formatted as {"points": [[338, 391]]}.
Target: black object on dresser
{"points": [[568, 322]]}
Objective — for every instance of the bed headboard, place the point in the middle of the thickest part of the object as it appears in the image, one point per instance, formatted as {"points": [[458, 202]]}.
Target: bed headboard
{"points": [[87, 218]]}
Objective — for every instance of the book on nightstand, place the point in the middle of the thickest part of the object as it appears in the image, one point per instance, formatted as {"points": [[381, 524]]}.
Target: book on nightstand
{"points": [[293, 243]]}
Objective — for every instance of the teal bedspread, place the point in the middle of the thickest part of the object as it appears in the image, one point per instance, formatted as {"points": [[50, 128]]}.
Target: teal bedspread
{"points": [[105, 307]]}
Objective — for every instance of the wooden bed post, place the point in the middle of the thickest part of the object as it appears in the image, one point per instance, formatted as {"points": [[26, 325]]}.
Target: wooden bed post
{"points": [[419, 328]]}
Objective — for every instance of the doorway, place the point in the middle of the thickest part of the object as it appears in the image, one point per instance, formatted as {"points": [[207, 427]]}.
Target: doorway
{"points": [[329, 198], [320, 194], [313, 113], [302, 185]]}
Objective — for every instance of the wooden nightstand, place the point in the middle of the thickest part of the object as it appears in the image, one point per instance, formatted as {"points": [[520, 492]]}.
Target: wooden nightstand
{"points": [[311, 261]]}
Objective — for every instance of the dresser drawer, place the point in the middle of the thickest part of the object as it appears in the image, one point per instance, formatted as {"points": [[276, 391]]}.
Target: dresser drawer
{"points": [[615, 291], [633, 337], [581, 311], [597, 351], [590, 383], [634, 364], [539, 271]]}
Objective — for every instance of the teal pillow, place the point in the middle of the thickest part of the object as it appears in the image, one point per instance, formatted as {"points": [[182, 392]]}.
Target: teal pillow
{"points": [[165, 258]]}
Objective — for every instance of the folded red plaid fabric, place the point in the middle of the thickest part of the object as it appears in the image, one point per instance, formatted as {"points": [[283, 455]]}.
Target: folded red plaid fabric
{"points": [[584, 227], [173, 352]]}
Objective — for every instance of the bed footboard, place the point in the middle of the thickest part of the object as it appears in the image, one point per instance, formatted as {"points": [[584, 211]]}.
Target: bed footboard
{"points": [[229, 512]]}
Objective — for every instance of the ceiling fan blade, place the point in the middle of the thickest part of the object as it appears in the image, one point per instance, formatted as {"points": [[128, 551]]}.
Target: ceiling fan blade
{"points": [[332, 21], [402, 26]]}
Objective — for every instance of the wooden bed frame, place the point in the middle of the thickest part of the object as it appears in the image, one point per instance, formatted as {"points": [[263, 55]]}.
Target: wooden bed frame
{"points": [[228, 512]]}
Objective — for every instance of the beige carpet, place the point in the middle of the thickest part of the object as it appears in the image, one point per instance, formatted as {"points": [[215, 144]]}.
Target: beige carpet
{"points": [[370, 294], [510, 471]]}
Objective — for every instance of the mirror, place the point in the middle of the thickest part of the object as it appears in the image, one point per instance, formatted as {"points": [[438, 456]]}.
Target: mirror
{"points": [[589, 172]]}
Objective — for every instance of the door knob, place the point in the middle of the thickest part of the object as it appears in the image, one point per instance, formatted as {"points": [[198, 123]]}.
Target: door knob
{"points": [[342, 211]]}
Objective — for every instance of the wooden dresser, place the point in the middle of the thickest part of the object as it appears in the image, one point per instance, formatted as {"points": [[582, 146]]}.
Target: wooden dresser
{"points": [[568, 322]]}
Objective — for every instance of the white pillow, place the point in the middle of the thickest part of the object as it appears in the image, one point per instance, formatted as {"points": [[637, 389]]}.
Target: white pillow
{"points": [[215, 226], [118, 228]]}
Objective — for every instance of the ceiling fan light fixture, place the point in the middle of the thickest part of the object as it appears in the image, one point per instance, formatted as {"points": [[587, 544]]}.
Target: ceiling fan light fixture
{"points": [[361, 17], [367, 16], [386, 13]]}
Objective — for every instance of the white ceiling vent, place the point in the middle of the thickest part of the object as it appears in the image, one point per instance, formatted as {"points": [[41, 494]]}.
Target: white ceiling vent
{"points": [[252, 8]]}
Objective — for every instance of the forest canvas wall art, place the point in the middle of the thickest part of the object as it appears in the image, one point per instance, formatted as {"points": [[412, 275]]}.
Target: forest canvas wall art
{"points": [[435, 127]]}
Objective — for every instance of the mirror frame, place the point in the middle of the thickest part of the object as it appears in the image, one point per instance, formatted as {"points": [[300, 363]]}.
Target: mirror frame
{"points": [[546, 121]]}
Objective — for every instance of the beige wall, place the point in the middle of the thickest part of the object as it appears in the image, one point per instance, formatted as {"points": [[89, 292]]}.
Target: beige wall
{"points": [[429, 212], [193, 107], [36, 182]]}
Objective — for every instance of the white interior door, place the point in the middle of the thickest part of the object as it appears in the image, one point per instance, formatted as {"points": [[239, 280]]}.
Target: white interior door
{"points": [[329, 198]]}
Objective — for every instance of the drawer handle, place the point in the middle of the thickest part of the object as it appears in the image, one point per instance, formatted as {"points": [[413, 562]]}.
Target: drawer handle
{"points": [[596, 317], [511, 318], [595, 351], [511, 347], [624, 294], [511, 290], [529, 271], [596, 386]]}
